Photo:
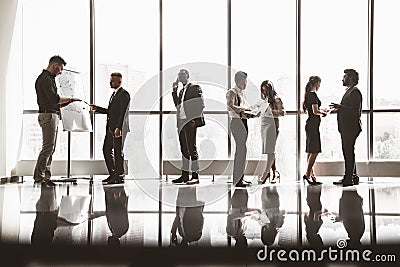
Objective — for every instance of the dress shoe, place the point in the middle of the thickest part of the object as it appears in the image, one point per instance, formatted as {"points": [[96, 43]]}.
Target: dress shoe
{"points": [[180, 180], [183, 179], [242, 184], [48, 183], [356, 179], [117, 180], [193, 181], [340, 182], [346, 183], [109, 179]]}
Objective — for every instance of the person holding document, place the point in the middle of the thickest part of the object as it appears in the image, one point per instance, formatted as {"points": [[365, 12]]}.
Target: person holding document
{"points": [[116, 129], [239, 114], [270, 108], [49, 102]]}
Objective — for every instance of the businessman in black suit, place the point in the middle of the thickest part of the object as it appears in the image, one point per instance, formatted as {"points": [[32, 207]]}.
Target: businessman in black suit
{"points": [[116, 129], [189, 104], [349, 124]]}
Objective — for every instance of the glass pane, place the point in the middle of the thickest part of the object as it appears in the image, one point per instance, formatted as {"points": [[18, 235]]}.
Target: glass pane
{"points": [[199, 39], [194, 31], [53, 34], [122, 45], [142, 146], [387, 136], [264, 44], [386, 54], [329, 45], [387, 228]]}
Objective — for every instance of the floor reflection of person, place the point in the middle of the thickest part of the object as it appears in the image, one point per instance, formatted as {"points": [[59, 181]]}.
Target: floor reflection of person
{"points": [[46, 217], [352, 216], [243, 223], [272, 217], [116, 213], [189, 220], [313, 219]]}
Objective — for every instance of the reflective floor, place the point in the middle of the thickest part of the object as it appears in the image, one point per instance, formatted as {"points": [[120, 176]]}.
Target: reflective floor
{"points": [[158, 214]]}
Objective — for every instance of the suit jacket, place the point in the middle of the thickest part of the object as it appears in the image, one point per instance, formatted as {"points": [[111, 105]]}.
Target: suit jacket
{"points": [[117, 111], [349, 113], [193, 104]]}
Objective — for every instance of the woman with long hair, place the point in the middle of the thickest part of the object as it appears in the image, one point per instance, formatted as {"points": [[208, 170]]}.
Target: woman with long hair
{"points": [[311, 105], [270, 128]]}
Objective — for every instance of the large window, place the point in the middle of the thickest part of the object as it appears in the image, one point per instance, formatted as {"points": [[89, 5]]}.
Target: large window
{"points": [[387, 136], [127, 41], [195, 32], [48, 31], [386, 54], [334, 37], [264, 45], [259, 37]]}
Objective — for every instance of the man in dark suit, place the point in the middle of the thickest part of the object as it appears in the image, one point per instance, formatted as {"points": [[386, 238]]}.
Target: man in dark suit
{"points": [[189, 104], [349, 124], [116, 129]]}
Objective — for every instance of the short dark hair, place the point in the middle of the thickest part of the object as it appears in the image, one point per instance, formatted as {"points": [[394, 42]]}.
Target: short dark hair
{"points": [[57, 59], [185, 71], [240, 76], [117, 74], [353, 74]]}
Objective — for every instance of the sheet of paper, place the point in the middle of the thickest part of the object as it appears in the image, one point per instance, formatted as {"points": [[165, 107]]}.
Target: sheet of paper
{"points": [[76, 116]]}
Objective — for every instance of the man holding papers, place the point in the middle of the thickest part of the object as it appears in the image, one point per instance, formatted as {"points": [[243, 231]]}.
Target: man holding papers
{"points": [[239, 115], [49, 116]]}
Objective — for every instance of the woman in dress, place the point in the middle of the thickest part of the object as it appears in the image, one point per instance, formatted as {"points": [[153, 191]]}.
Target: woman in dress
{"points": [[270, 127], [311, 105]]}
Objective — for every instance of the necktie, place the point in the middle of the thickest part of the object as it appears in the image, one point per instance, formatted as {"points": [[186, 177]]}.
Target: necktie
{"points": [[238, 99], [181, 93], [111, 97]]}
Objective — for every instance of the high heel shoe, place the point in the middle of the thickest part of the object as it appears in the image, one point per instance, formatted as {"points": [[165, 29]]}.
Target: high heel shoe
{"points": [[276, 176], [315, 181], [263, 180], [308, 179]]}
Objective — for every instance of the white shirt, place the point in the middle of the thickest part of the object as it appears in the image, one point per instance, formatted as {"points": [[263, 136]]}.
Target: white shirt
{"points": [[182, 114]]}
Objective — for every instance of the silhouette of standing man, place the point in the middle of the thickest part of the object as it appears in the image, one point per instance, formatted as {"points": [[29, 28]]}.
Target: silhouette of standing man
{"points": [[349, 124], [189, 104]]}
